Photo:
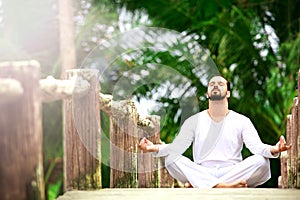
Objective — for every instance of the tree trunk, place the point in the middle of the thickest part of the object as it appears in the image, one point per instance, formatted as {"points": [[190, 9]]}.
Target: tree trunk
{"points": [[67, 36]]}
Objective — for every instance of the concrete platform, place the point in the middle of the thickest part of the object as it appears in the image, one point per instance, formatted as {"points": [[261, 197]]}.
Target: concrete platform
{"points": [[183, 194]]}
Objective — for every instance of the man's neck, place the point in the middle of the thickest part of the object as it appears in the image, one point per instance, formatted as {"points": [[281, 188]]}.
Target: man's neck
{"points": [[218, 110]]}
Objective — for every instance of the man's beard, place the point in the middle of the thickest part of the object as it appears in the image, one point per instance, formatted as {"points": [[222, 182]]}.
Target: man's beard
{"points": [[217, 97]]}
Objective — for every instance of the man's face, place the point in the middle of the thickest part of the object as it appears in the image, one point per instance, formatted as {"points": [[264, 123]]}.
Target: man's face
{"points": [[217, 88]]}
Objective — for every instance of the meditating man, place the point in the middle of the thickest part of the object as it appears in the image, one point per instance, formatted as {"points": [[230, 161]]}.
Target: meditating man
{"points": [[217, 135]]}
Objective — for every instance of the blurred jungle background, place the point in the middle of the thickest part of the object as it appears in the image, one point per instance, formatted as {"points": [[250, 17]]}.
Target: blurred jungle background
{"points": [[255, 44]]}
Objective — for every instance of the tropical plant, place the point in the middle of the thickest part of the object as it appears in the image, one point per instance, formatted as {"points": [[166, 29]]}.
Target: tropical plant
{"points": [[255, 44]]}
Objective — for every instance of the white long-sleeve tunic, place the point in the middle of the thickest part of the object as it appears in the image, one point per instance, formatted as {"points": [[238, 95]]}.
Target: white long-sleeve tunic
{"points": [[224, 148]]}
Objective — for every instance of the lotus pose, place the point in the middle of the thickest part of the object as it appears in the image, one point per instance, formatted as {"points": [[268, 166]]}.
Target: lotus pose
{"points": [[217, 135]]}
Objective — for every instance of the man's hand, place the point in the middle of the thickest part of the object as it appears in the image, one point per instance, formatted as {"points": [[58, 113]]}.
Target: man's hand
{"points": [[280, 146], [147, 146]]}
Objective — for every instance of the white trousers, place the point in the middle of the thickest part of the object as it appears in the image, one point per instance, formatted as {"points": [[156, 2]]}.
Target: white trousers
{"points": [[255, 170]]}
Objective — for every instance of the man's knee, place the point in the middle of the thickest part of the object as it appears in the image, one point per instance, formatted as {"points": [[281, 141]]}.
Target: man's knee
{"points": [[175, 168], [262, 171], [262, 162], [170, 159]]}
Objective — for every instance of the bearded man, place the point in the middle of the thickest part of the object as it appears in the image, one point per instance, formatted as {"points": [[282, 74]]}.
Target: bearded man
{"points": [[217, 135]]}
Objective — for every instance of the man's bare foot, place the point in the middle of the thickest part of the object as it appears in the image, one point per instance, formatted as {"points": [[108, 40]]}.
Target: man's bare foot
{"points": [[188, 185], [238, 184]]}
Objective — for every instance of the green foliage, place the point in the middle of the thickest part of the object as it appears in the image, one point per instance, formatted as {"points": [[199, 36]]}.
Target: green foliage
{"points": [[54, 190], [236, 33], [241, 36]]}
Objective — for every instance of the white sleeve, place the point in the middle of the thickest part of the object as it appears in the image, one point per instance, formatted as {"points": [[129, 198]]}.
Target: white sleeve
{"points": [[253, 141], [182, 141]]}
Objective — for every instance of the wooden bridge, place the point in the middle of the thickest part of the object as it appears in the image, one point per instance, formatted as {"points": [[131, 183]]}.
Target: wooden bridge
{"points": [[21, 96], [184, 193]]}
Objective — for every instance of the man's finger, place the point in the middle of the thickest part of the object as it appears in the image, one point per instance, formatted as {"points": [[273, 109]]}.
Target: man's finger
{"points": [[142, 140], [282, 140]]}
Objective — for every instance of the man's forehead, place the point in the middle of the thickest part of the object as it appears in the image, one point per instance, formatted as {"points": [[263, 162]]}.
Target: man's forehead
{"points": [[217, 79]]}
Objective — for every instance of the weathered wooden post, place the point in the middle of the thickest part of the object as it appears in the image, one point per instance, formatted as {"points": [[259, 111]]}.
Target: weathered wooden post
{"points": [[293, 158], [284, 157], [148, 166], [290, 160], [130, 168], [123, 148], [297, 139], [151, 171], [82, 150], [166, 180], [21, 165]]}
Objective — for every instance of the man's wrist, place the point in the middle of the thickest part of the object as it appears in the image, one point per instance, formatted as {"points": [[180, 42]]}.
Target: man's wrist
{"points": [[274, 151], [153, 148]]}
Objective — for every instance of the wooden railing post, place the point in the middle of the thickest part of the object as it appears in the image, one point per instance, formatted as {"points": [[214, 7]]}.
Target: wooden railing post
{"points": [[166, 180], [285, 162], [82, 150], [151, 171], [290, 160], [148, 166], [123, 148], [21, 164], [130, 167], [287, 159], [297, 139], [293, 169]]}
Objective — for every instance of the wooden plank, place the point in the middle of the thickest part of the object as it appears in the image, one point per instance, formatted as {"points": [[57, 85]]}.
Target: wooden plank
{"points": [[10, 90], [184, 193], [54, 89]]}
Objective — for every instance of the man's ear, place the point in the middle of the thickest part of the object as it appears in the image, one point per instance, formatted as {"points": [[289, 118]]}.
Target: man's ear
{"points": [[228, 94], [206, 95]]}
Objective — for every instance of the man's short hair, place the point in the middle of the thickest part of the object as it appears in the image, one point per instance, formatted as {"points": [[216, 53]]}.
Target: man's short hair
{"points": [[228, 85]]}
